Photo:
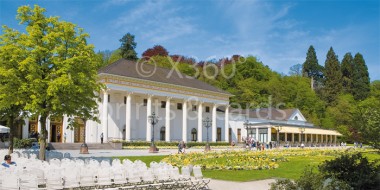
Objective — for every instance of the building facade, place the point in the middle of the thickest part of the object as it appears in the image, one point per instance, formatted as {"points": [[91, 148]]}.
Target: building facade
{"points": [[135, 91]]}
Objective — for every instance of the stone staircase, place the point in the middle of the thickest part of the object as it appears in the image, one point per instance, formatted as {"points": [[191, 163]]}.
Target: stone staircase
{"points": [[76, 146]]}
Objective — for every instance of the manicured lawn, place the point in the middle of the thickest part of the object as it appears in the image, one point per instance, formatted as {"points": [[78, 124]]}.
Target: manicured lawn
{"points": [[145, 159], [291, 169]]}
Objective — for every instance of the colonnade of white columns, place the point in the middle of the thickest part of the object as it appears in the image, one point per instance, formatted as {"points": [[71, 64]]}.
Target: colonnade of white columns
{"points": [[167, 119]]}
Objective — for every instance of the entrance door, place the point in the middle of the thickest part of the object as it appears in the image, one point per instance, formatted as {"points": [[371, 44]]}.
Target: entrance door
{"points": [[239, 135], [53, 133], [162, 134], [219, 134], [79, 134]]}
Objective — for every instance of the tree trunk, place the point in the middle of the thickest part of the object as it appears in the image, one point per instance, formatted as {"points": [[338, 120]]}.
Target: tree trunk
{"points": [[42, 137], [11, 133]]}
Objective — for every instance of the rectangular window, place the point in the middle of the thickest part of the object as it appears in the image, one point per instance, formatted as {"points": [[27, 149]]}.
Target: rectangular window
{"points": [[207, 109], [179, 106], [109, 97], [125, 100], [163, 104], [145, 102], [194, 108]]}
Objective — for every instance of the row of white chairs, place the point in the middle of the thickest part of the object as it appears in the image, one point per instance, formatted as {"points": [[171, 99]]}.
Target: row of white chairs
{"points": [[31, 173]]}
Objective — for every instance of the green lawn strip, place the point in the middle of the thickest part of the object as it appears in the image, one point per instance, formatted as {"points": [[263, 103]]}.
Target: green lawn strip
{"points": [[145, 159], [291, 169]]}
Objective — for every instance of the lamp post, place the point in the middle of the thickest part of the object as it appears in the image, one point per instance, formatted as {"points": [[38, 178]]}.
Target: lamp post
{"points": [[302, 129], [84, 147], [207, 123], [246, 126], [153, 119], [278, 129]]}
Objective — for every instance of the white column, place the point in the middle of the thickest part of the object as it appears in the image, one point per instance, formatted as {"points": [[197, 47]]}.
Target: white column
{"points": [[184, 121], [292, 137], [128, 118], [321, 138], [200, 122], [105, 116], [167, 119], [269, 134], [39, 124], [299, 137], [257, 134], [25, 129], [286, 137], [311, 139], [213, 128], [47, 126], [226, 124], [148, 113]]}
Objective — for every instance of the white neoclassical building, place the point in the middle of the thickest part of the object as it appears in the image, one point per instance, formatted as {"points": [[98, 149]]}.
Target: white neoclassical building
{"points": [[135, 91]]}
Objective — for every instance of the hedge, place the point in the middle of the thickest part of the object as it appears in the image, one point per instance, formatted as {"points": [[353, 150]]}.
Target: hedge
{"points": [[22, 143], [174, 144]]}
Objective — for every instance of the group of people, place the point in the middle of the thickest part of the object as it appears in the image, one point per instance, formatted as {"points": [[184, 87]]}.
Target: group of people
{"points": [[357, 145], [252, 143]]}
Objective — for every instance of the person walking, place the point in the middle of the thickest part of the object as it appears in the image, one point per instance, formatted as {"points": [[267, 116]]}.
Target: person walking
{"points": [[179, 147], [101, 138]]}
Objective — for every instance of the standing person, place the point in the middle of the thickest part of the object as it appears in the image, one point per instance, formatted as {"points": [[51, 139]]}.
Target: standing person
{"points": [[183, 146], [179, 147], [101, 138], [59, 136], [8, 161]]}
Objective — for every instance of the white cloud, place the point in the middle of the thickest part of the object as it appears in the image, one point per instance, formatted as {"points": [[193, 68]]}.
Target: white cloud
{"points": [[155, 22]]}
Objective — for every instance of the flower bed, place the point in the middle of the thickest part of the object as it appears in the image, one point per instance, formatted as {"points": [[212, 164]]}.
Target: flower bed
{"points": [[244, 160]]}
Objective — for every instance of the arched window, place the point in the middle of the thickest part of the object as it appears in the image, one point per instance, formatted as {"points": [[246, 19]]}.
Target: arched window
{"points": [[162, 133], [296, 118], [194, 134]]}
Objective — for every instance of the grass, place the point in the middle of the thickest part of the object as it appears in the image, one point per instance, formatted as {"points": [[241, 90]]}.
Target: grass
{"points": [[146, 159], [291, 169]]}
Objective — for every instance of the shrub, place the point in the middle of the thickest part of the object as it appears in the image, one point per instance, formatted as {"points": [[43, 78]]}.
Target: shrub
{"points": [[283, 184], [353, 169], [22, 143], [174, 144]]}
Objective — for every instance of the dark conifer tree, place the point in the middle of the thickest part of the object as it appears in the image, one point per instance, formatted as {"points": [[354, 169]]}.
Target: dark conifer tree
{"points": [[347, 73], [333, 80], [361, 80], [311, 68], [127, 48]]}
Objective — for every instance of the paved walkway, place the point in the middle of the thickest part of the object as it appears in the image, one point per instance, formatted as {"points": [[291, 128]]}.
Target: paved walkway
{"points": [[130, 152], [251, 185]]}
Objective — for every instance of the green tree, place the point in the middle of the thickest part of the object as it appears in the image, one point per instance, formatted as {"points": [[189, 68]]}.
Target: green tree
{"points": [[13, 83], [333, 74], [296, 70], [361, 81], [367, 121], [375, 89], [347, 73], [311, 68], [61, 69], [127, 48]]}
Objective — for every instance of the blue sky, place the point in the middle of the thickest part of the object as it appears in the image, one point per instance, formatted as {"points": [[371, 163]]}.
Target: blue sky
{"points": [[277, 32]]}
